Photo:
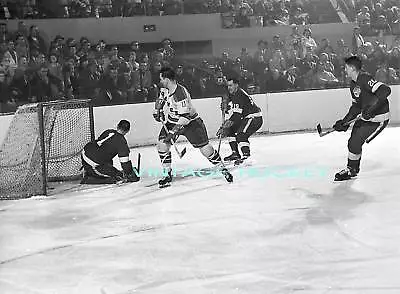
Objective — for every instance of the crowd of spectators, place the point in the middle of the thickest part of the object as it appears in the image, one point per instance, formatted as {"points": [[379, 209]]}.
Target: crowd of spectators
{"points": [[240, 12], [32, 70], [378, 17], [373, 16]]}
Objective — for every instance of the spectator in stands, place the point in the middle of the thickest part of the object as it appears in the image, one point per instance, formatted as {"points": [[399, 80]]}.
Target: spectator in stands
{"points": [[126, 84], [71, 81], [4, 10], [242, 18], [89, 81], [364, 17], [22, 46], [143, 83], [277, 82], [45, 87], [293, 82], [55, 68], [393, 76], [394, 58], [155, 72], [307, 41], [4, 35], [357, 40], [11, 54], [5, 101], [35, 41], [132, 61]]}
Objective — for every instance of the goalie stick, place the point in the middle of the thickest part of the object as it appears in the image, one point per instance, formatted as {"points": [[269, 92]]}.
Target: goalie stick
{"points": [[180, 153], [330, 130]]}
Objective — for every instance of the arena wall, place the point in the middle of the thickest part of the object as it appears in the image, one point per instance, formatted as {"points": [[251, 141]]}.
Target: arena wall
{"points": [[283, 112]]}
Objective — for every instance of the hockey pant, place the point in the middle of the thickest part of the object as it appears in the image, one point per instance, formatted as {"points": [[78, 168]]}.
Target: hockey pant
{"points": [[100, 174], [240, 138], [362, 130]]}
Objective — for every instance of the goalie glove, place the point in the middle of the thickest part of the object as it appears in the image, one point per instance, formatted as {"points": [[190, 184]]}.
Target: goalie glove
{"points": [[173, 134], [224, 129], [133, 177]]}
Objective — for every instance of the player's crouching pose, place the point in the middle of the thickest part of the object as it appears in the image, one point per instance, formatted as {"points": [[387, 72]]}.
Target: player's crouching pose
{"points": [[245, 120], [370, 101], [182, 119], [97, 158]]}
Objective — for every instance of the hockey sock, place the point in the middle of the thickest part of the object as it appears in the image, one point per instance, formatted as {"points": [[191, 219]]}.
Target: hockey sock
{"points": [[354, 164], [353, 161], [214, 158], [245, 148], [166, 159], [234, 145]]}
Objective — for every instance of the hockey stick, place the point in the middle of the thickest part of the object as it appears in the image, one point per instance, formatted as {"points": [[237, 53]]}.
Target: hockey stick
{"points": [[180, 153], [220, 135], [321, 133], [139, 156], [385, 123]]}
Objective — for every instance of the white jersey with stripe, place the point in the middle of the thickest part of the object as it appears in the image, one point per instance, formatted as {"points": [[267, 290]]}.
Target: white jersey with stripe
{"points": [[178, 105]]}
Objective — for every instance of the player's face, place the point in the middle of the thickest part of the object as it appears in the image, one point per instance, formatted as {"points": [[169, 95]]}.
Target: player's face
{"points": [[163, 81], [231, 87], [349, 70]]}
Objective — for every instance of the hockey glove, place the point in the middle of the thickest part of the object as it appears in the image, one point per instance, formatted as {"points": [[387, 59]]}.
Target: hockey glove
{"points": [[224, 129], [159, 115], [367, 114], [173, 134], [133, 177], [340, 126]]}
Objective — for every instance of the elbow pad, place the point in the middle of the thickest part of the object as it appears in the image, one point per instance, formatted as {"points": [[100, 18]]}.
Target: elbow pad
{"points": [[383, 92]]}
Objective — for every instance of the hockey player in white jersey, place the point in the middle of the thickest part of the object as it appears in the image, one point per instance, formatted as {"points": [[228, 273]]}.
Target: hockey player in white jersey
{"points": [[181, 119]]}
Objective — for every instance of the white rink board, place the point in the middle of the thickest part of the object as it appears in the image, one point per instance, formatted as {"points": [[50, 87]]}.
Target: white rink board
{"points": [[287, 111]]}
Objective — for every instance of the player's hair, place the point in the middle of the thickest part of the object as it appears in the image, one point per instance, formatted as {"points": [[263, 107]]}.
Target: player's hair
{"points": [[168, 72], [124, 125], [354, 61], [234, 79]]}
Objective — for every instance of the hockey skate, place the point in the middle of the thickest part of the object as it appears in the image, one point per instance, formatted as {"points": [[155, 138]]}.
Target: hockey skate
{"points": [[346, 174], [165, 181], [234, 156], [239, 161], [228, 176]]}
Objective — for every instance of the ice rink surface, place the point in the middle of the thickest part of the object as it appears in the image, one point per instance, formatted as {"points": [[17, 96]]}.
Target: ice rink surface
{"points": [[282, 227]]}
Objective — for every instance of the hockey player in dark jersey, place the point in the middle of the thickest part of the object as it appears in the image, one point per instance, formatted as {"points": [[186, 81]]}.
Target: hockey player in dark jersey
{"points": [[371, 105], [97, 158], [181, 119], [244, 121]]}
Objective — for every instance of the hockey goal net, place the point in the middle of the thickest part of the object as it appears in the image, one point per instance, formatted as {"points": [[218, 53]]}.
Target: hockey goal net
{"points": [[44, 143]]}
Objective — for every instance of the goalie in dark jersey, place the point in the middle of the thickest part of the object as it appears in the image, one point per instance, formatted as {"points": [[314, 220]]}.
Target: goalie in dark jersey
{"points": [[244, 121], [371, 105], [97, 158]]}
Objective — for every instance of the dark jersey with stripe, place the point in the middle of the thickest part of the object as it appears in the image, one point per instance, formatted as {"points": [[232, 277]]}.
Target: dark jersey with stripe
{"points": [[106, 147], [242, 106], [363, 95]]}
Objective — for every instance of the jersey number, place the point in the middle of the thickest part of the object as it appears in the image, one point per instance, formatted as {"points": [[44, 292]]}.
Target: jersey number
{"points": [[371, 82], [99, 143]]}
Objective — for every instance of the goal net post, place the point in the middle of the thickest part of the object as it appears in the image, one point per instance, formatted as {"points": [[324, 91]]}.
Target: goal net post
{"points": [[43, 144]]}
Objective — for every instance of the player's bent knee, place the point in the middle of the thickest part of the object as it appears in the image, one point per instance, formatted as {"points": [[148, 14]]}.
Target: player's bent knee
{"points": [[242, 137], [163, 147], [207, 150], [354, 146]]}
